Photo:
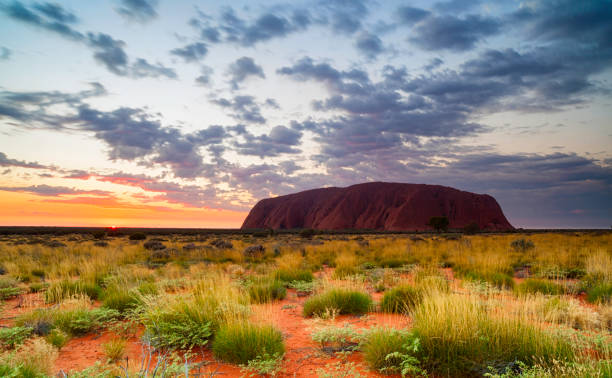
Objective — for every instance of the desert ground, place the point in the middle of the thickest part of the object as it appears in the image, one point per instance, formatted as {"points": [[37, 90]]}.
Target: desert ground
{"points": [[306, 305]]}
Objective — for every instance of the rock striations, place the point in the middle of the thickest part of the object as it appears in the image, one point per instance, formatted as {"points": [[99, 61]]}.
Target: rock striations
{"points": [[377, 206]]}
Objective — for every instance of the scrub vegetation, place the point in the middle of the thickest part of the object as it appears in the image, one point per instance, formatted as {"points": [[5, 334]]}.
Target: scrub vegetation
{"points": [[440, 304]]}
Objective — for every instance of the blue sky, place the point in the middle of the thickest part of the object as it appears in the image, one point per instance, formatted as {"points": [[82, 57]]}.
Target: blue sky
{"points": [[203, 107]]}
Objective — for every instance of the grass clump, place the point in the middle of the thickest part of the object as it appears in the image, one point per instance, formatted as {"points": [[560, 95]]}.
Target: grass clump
{"points": [[600, 293], [381, 342], [179, 324], [13, 336], [57, 338], [65, 289], [266, 290], [401, 299], [542, 286], [35, 359], [342, 301], [337, 339], [241, 342], [80, 321], [496, 279], [114, 349], [290, 275], [460, 334]]}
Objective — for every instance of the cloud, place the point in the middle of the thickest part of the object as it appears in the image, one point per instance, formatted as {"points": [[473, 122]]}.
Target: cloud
{"points": [[345, 16], [5, 53], [6, 162], [142, 68], [109, 52], [192, 52], [52, 191], [205, 77], [411, 15], [138, 10], [48, 16], [369, 45], [280, 140], [242, 69], [453, 33], [244, 108]]}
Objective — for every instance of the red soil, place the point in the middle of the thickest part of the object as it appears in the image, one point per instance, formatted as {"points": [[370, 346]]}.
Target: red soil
{"points": [[303, 357]]}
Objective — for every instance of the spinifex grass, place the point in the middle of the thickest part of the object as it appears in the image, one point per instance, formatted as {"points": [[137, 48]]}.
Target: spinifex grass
{"points": [[459, 334], [340, 300], [239, 342]]}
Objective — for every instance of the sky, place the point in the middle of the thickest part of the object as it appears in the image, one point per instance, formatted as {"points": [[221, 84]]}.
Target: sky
{"points": [[158, 113]]}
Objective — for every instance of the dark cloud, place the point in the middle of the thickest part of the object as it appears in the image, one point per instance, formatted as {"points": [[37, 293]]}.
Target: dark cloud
{"points": [[244, 108], [345, 16], [48, 16], [6, 162], [242, 69], [52, 191], [5, 53], [141, 68], [411, 15], [138, 10], [109, 52], [205, 77], [456, 6], [192, 52], [453, 33], [369, 45], [280, 140], [56, 12]]}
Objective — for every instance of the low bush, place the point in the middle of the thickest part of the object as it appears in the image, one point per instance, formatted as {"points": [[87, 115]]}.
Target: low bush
{"points": [[522, 245], [138, 236], [57, 338], [401, 299], [290, 275], [35, 359], [535, 285], [241, 342], [180, 326], [342, 301], [337, 339], [600, 293], [13, 336], [497, 279], [265, 290], [121, 298], [79, 321]]}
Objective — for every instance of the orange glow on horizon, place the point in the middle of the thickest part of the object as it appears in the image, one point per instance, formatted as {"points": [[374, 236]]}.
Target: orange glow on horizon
{"points": [[23, 209]]}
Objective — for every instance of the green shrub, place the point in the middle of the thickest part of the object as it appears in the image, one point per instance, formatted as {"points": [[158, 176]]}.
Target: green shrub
{"points": [[37, 287], [10, 292], [535, 285], [379, 343], [343, 301], [344, 271], [266, 365], [10, 337], [600, 293], [289, 275], [57, 338], [262, 291], [80, 321], [241, 342], [499, 280], [138, 236], [120, 298], [177, 331], [522, 245], [337, 339], [401, 299], [40, 321]]}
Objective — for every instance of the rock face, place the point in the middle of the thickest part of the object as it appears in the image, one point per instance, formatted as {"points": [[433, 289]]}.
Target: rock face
{"points": [[377, 206]]}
